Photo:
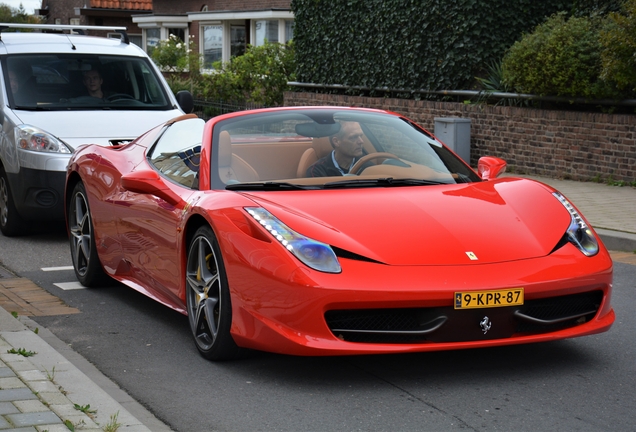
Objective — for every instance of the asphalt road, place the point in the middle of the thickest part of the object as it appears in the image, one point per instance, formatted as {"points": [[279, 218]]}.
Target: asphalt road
{"points": [[584, 384]]}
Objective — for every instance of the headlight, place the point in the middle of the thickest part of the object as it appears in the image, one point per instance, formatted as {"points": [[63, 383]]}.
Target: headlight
{"points": [[31, 138], [579, 234], [317, 255]]}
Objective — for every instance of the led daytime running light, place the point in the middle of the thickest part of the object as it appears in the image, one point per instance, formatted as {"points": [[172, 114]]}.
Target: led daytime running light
{"points": [[312, 253], [579, 233]]}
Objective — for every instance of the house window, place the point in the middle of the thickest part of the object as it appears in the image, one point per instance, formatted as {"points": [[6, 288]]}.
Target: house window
{"points": [[136, 39], [178, 32], [266, 30], [289, 31], [212, 44], [153, 35], [74, 21], [237, 40]]}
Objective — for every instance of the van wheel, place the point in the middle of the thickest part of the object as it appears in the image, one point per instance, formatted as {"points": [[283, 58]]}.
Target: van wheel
{"points": [[10, 222]]}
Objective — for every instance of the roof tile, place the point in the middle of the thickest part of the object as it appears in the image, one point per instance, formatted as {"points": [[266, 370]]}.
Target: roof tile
{"points": [[122, 4]]}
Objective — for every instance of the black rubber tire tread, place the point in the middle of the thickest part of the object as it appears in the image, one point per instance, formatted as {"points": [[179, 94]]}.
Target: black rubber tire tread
{"points": [[11, 223]]}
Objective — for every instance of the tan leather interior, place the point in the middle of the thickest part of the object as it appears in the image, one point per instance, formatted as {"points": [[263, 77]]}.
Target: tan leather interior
{"points": [[273, 159], [320, 147], [231, 166]]}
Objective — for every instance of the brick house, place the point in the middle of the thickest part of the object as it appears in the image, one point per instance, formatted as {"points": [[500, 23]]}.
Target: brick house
{"points": [[97, 12], [219, 28]]}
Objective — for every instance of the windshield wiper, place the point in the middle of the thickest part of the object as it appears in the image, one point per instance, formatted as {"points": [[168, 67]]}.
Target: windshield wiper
{"points": [[382, 182], [32, 108], [268, 186]]}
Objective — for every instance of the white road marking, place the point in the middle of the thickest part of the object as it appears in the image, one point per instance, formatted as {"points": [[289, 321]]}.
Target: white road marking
{"points": [[66, 286], [48, 269]]}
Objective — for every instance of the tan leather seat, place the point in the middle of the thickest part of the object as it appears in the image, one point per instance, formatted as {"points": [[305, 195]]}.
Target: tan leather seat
{"points": [[320, 147], [232, 167]]}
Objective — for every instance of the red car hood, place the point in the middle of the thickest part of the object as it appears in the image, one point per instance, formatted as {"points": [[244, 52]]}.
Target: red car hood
{"points": [[477, 223]]}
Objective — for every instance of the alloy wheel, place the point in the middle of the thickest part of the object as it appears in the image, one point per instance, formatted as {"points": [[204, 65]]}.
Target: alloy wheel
{"points": [[81, 232], [204, 293]]}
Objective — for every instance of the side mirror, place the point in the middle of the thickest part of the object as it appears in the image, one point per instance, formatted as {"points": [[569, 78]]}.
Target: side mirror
{"points": [[490, 167], [149, 182], [185, 101]]}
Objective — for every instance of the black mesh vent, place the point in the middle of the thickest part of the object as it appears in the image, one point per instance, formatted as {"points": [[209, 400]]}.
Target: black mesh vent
{"points": [[374, 319], [411, 325], [557, 307]]}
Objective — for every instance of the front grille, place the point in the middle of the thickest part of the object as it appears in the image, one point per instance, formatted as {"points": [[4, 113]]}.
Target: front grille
{"points": [[446, 324]]}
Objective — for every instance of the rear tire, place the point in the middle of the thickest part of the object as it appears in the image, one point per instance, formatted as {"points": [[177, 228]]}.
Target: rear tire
{"points": [[208, 298], [11, 224], [88, 269]]}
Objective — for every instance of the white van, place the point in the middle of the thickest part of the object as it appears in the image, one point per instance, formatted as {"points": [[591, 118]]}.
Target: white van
{"points": [[59, 91]]}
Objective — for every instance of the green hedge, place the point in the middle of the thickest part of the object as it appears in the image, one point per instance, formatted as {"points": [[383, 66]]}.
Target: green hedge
{"points": [[416, 44]]}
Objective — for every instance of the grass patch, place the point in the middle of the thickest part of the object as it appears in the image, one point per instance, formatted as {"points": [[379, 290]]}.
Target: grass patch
{"points": [[22, 352]]}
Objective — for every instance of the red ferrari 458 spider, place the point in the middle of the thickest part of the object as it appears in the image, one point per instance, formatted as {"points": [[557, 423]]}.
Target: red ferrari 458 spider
{"points": [[332, 231]]}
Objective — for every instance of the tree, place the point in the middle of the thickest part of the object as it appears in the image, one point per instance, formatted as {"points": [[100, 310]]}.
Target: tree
{"points": [[10, 14]]}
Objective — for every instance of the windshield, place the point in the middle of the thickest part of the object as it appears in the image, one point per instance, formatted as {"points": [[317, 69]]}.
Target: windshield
{"points": [[81, 82], [329, 148]]}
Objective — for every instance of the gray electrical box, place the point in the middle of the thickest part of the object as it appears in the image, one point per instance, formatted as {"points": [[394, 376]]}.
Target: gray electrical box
{"points": [[455, 133]]}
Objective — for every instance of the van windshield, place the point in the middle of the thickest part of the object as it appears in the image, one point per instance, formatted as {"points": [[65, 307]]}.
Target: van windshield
{"points": [[80, 82]]}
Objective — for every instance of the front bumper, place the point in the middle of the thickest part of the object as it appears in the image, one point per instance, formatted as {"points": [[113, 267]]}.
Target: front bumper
{"points": [[38, 194], [277, 308]]}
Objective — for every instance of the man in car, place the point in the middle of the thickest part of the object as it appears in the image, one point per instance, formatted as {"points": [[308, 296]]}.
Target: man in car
{"points": [[93, 82], [347, 150]]}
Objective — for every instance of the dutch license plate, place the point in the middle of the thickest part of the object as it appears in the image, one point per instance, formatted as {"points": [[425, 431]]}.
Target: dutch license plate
{"points": [[488, 299]]}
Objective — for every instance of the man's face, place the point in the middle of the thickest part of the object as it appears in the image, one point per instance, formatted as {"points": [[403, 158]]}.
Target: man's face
{"points": [[349, 141], [92, 80]]}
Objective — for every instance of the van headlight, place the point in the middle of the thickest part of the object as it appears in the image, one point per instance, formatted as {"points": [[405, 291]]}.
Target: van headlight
{"points": [[31, 138]]}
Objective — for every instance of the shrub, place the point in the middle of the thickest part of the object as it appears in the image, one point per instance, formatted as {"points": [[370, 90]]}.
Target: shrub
{"points": [[173, 55], [562, 57], [618, 38], [259, 76]]}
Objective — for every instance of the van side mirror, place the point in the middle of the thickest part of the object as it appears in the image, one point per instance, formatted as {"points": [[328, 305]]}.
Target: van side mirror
{"points": [[185, 101]]}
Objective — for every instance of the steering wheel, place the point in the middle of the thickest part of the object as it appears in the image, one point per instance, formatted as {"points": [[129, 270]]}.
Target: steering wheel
{"points": [[118, 96], [371, 156]]}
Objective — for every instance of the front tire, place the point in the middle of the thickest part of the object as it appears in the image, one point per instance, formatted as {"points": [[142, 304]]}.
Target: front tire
{"points": [[208, 298], [10, 222], [88, 269]]}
